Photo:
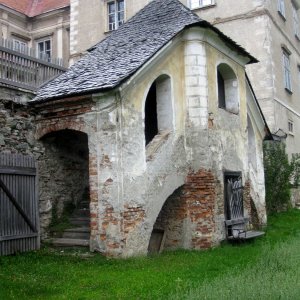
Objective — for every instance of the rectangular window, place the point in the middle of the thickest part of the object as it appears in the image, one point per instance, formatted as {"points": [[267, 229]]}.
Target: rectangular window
{"points": [[281, 8], [44, 50], [296, 22], [291, 127], [116, 14], [19, 46], [200, 3], [287, 70]]}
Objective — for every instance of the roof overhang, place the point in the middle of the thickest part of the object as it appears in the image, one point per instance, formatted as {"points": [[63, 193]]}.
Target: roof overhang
{"points": [[254, 111]]}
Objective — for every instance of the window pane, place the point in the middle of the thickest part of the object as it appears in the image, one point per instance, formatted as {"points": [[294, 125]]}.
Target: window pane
{"points": [[206, 2], [296, 21], [195, 3], [48, 45], [16, 45], [111, 7], [121, 18], [41, 47], [287, 71], [281, 7], [120, 5]]}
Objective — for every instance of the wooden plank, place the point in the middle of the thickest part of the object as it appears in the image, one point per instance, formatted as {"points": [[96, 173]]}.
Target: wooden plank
{"points": [[247, 235], [18, 171], [18, 207], [17, 237]]}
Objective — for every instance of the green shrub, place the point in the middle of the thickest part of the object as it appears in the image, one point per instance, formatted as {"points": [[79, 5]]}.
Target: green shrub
{"points": [[280, 175]]}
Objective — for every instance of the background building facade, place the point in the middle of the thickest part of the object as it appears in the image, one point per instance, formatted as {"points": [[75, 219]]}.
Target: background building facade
{"points": [[38, 28], [268, 29]]}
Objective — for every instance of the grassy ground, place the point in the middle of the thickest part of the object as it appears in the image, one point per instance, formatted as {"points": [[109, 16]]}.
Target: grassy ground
{"points": [[268, 268]]}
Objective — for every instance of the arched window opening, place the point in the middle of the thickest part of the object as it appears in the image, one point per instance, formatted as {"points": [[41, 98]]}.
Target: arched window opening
{"points": [[158, 108], [151, 126], [227, 89]]}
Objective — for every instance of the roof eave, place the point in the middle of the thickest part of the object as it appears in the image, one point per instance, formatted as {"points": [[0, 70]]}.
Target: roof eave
{"points": [[227, 39]]}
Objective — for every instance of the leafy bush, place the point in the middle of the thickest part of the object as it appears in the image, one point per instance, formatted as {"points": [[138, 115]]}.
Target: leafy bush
{"points": [[280, 175]]}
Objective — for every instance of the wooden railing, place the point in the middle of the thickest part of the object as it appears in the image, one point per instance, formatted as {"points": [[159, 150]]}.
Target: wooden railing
{"points": [[23, 70]]}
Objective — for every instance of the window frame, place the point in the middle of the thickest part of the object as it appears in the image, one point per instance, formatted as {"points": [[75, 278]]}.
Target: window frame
{"points": [[296, 21], [111, 26], [291, 127], [22, 48], [281, 8], [287, 70], [201, 4], [38, 52]]}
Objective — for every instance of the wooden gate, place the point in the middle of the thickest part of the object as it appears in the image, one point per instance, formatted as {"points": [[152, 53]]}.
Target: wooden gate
{"points": [[19, 222]]}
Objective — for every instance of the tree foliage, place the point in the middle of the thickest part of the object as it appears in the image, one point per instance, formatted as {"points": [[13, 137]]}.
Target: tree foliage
{"points": [[281, 174]]}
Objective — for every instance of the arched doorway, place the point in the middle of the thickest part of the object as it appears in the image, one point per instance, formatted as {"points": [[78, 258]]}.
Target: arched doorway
{"points": [[170, 226], [64, 185]]}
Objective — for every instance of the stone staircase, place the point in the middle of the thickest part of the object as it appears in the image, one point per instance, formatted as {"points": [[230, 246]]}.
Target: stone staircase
{"points": [[297, 205], [79, 234]]}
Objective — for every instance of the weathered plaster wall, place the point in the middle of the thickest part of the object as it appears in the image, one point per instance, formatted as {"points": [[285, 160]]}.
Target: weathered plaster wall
{"points": [[269, 32]]}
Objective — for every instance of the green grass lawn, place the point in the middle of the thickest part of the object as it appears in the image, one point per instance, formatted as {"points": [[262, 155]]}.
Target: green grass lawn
{"points": [[267, 268]]}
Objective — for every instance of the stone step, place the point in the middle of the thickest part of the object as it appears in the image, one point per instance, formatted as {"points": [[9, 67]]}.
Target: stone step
{"points": [[82, 212], [84, 204], [80, 221], [77, 233], [64, 242]]}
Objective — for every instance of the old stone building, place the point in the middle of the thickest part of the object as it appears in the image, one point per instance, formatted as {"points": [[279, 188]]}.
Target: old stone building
{"points": [[151, 127], [269, 29]]}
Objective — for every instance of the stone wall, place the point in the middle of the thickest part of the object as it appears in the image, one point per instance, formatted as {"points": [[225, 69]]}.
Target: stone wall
{"points": [[17, 124]]}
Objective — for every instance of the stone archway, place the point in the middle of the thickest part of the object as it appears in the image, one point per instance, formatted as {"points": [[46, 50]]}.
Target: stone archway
{"points": [[64, 183], [169, 228]]}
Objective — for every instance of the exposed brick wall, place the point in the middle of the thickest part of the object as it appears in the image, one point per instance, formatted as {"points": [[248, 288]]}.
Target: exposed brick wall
{"points": [[201, 200], [171, 220], [110, 219], [54, 118], [132, 217], [193, 204], [247, 197], [250, 206]]}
